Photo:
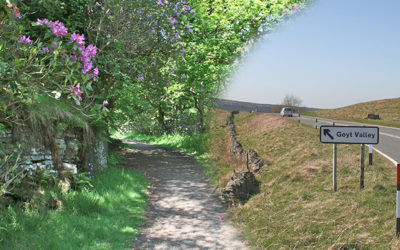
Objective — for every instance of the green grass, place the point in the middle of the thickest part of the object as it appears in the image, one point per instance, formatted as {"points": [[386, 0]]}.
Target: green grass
{"points": [[296, 207], [105, 217], [387, 109], [190, 144]]}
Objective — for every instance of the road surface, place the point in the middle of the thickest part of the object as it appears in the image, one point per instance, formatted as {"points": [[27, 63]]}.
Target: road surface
{"points": [[389, 138]]}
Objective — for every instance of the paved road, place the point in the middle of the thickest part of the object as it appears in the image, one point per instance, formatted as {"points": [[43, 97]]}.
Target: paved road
{"points": [[389, 138], [183, 212]]}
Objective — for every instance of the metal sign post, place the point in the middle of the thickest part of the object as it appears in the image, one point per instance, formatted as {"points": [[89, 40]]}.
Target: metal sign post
{"points": [[362, 167], [334, 170], [348, 135]]}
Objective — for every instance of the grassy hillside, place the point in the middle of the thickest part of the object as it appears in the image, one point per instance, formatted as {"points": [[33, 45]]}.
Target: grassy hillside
{"points": [[388, 110], [297, 207]]}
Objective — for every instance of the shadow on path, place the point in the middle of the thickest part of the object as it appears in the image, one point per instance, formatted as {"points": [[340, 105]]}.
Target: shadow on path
{"points": [[182, 212]]}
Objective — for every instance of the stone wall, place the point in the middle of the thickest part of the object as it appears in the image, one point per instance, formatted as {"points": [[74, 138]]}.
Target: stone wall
{"points": [[63, 153], [236, 149], [243, 184]]}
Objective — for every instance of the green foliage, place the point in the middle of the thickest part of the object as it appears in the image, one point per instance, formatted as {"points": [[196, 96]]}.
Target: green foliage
{"points": [[73, 13], [104, 217], [10, 175]]}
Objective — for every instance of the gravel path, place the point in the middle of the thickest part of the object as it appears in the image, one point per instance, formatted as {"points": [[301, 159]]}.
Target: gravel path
{"points": [[182, 212]]}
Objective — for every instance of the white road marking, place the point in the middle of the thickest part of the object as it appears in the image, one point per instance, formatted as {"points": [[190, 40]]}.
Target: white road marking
{"points": [[386, 156], [394, 136]]}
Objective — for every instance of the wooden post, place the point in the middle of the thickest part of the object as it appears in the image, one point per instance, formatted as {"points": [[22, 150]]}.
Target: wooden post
{"points": [[334, 170], [362, 167]]}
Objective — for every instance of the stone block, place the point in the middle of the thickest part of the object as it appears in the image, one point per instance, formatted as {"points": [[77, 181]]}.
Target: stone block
{"points": [[70, 167]]}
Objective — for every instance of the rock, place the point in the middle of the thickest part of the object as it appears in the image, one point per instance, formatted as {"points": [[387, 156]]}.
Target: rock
{"points": [[241, 187], [70, 167]]}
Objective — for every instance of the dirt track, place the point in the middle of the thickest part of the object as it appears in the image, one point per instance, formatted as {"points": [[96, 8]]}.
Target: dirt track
{"points": [[182, 212]]}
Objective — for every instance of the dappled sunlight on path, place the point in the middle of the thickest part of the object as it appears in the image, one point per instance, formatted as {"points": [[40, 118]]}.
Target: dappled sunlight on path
{"points": [[183, 213]]}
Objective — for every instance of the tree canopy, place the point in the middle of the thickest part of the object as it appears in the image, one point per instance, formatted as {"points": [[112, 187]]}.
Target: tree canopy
{"points": [[158, 66]]}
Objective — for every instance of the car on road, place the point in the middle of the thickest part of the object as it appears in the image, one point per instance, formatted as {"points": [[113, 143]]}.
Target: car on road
{"points": [[286, 111]]}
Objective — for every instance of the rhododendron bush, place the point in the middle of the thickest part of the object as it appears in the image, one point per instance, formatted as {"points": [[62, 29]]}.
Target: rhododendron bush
{"points": [[59, 66], [155, 65]]}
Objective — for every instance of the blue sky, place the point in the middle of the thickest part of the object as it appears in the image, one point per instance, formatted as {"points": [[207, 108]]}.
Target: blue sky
{"points": [[336, 53]]}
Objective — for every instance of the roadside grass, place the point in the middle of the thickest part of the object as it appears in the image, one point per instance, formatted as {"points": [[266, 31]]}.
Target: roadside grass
{"points": [[106, 216], [296, 207], [388, 110]]}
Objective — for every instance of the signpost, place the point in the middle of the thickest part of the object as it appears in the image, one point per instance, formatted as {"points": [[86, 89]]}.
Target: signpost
{"points": [[349, 135]]}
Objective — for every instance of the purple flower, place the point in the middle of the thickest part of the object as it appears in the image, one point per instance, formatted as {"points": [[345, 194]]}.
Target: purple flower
{"points": [[183, 76], [45, 49], [55, 44], [141, 78], [79, 39], [42, 22], [168, 83], [172, 20], [96, 71], [190, 31], [58, 28], [153, 63], [139, 12], [105, 102], [24, 39], [91, 50], [296, 8], [162, 97], [87, 67], [75, 90], [153, 30], [192, 11], [159, 2]]}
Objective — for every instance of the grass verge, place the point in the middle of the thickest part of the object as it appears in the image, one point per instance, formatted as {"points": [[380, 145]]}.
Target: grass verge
{"points": [[104, 217], [387, 109], [296, 207]]}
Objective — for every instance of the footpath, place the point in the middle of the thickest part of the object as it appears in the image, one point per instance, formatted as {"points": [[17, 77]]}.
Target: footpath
{"points": [[183, 212]]}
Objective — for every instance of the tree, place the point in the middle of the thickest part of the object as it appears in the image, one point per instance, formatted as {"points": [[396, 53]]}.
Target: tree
{"points": [[292, 101]]}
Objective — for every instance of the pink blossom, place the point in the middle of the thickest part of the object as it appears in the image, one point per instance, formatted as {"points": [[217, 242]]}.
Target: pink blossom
{"points": [[58, 28], [87, 67], [296, 8], [41, 22], [75, 90], [105, 102], [24, 39], [91, 50], [96, 71], [79, 39]]}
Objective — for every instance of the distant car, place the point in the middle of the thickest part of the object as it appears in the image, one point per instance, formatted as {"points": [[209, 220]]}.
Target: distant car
{"points": [[286, 111]]}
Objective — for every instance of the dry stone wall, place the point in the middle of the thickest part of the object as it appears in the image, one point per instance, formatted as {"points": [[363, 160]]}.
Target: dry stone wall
{"points": [[243, 184], [64, 154], [236, 149]]}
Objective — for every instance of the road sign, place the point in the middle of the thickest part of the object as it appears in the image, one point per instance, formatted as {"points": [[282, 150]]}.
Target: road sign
{"points": [[349, 134]]}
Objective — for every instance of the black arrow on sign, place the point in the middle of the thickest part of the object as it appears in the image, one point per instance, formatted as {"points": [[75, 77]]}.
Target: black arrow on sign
{"points": [[328, 132]]}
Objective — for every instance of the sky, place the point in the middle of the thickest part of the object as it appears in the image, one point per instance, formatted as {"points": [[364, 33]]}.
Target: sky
{"points": [[334, 54]]}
